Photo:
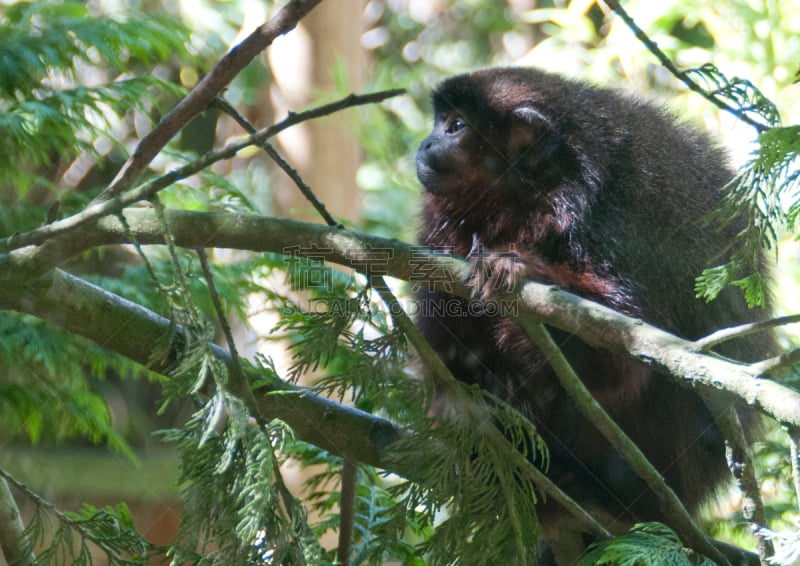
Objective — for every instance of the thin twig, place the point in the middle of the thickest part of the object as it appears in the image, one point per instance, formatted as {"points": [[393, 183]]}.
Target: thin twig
{"points": [[771, 365], [794, 453], [279, 160], [706, 343], [741, 466], [438, 370], [239, 380], [347, 511], [204, 92], [65, 519], [147, 190], [680, 75]]}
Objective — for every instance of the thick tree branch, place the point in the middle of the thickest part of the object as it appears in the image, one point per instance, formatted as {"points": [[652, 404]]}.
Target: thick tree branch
{"points": [[597, 325], [136, 332]]}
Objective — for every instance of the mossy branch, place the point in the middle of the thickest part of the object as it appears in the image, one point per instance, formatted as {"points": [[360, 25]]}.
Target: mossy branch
{"points": [[595, 324]]}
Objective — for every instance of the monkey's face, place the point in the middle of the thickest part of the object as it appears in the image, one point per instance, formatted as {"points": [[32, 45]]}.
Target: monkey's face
{"points": [[489, 145], [455, 155]]}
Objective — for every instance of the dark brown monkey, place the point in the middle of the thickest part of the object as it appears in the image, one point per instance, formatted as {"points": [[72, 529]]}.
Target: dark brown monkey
{"points": [[601, 194]]}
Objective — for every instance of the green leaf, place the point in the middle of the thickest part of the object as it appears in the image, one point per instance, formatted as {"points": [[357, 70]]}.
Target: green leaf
{"points": [[647, 544]]}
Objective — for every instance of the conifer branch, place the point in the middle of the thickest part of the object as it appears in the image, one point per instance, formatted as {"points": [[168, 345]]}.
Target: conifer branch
{"points": [[14, 544]]}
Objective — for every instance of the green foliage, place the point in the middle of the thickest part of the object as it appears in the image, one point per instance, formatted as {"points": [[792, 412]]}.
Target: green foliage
{"points": [[44, 389], [759, 193], [745, 98], [73, 538], [237, 510], [46, 49], [475, 467], [647, 544], [111, 529], [48, 53], [384, 528]]}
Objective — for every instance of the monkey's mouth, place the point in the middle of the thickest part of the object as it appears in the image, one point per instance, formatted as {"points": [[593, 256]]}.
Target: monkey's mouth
{"points": [[436, 179], [428, 176]]}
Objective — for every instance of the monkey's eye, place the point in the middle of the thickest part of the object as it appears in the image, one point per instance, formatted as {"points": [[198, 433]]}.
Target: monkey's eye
{"points": [[455, 125]]}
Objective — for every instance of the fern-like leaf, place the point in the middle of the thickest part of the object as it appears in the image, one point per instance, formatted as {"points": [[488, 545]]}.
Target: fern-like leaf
{"points": [[647, 544], [767, 194]]}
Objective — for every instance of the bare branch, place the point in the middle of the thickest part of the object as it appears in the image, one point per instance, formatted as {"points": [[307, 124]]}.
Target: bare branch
{"points": [[280, 161], [706, 343], [103, 208], [677, 73], [741, 467], [347, 511], [205, 91], [238, 381]]}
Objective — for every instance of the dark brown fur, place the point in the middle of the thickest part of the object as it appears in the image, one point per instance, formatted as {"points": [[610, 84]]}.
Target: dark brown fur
{"points": [[600, 194]]}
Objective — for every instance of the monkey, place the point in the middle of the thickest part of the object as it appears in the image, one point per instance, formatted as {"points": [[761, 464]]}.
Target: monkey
{"points": [[533, 175]]}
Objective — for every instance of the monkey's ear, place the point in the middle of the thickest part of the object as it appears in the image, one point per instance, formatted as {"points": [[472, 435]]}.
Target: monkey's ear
{"points": [[528, 127]]}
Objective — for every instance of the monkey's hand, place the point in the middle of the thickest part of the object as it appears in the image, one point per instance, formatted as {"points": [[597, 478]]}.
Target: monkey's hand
{"points": [[500, 272], [494, 272]]}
